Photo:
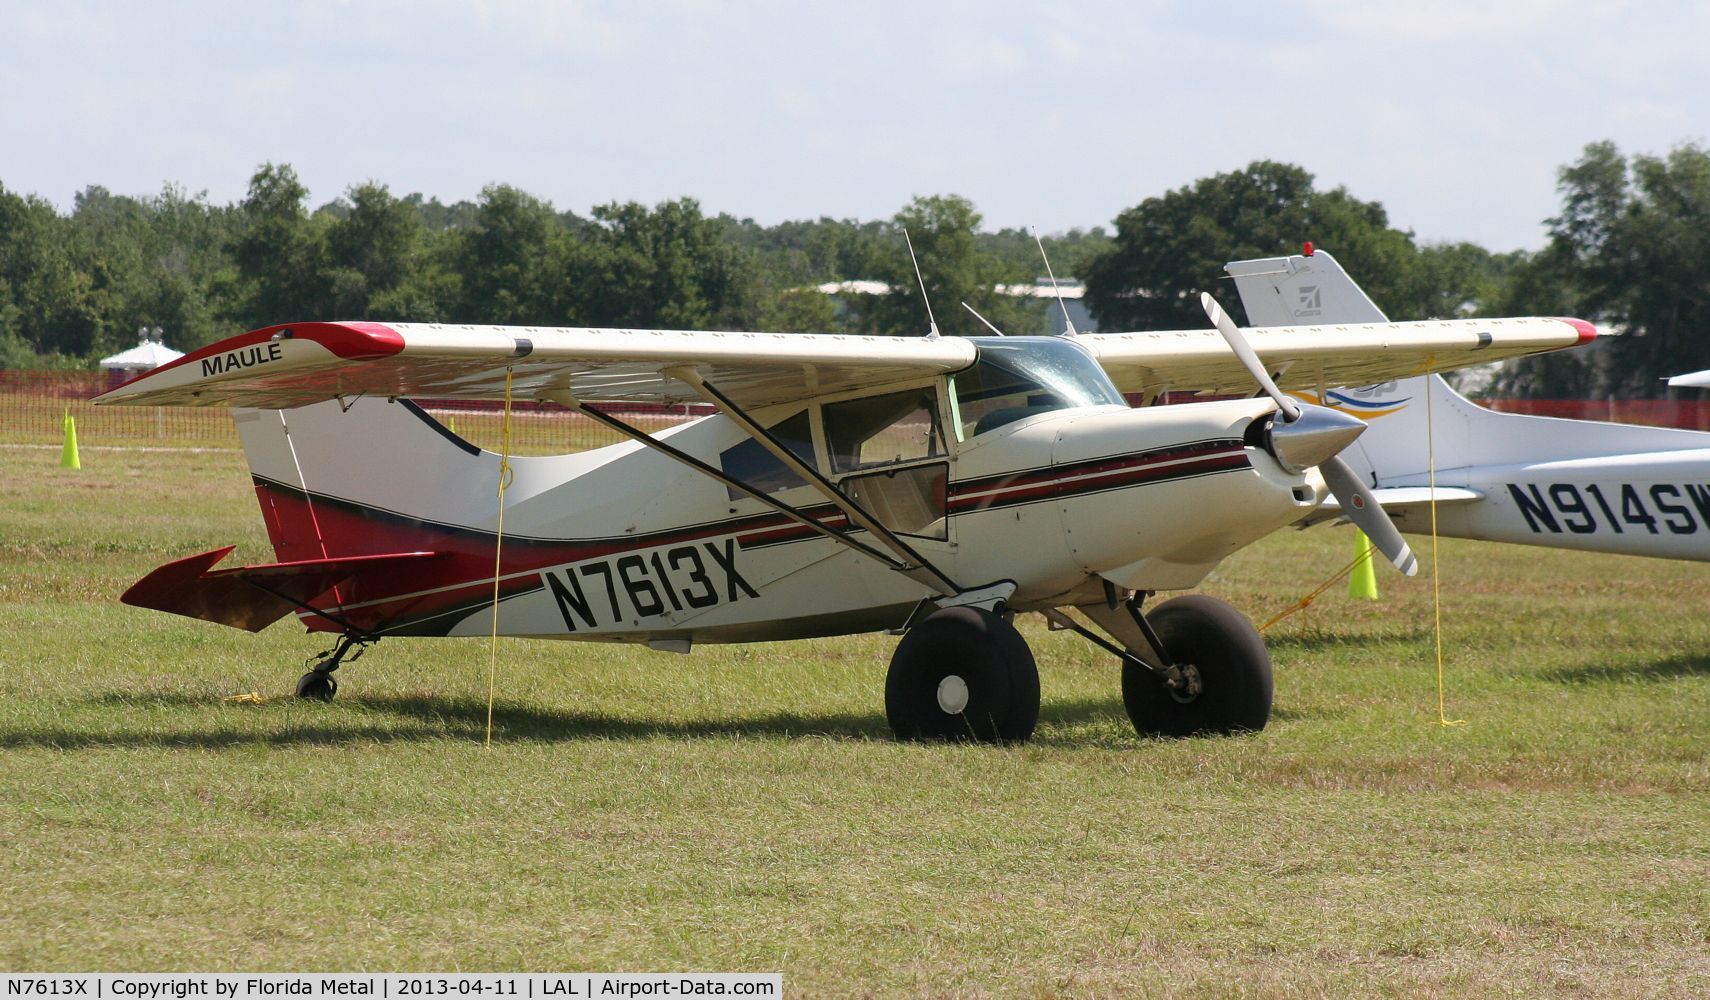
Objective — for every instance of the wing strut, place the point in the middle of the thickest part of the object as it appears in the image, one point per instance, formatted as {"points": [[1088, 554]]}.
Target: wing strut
{"points": [[912, 572], [914, 565]]}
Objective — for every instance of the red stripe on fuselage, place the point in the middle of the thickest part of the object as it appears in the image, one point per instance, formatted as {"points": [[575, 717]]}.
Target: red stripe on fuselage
{"points": [[465, 571]]}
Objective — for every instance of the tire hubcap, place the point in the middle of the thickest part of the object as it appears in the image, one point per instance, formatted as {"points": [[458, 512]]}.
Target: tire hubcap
{"points": [[1189, 685], [952, 695]]}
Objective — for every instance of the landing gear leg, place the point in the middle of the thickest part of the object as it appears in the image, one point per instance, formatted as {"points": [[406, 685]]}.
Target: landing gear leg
{"points": [[1216, 678], [319, 683], [1193, 665]]}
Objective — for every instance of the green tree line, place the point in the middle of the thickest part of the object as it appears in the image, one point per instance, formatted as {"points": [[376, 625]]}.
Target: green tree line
{"points": [[1624, 251]]}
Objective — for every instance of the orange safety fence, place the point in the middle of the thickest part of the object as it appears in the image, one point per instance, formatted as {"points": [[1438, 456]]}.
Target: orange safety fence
{"points": [[1689, 414], [33, 406]]}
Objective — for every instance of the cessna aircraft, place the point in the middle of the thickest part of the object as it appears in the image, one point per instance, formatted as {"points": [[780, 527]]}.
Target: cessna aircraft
{"points": [[1575, 484], [933, 486]]}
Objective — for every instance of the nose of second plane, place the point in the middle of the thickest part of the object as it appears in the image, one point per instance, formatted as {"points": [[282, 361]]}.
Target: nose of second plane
{"points": [[1316, 435]]}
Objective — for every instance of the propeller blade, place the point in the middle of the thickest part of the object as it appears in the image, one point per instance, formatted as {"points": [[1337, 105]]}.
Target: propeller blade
{"points": [[1250, 360], [1363, 509]]}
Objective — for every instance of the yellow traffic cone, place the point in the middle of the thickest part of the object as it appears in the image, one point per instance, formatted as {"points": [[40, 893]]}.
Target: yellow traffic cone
{"points": [[68, 455], [1363, 581]]}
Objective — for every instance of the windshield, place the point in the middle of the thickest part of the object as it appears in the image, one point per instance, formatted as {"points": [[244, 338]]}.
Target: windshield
{"points": [[1017, 377]]}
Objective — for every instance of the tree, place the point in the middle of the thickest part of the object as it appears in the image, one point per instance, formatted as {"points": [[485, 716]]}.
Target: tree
{"points": [[280, 256], [943, 229], [375, 252], [669, 267], [1630, 250], [48, 302], [505, 258], [1169, 248]]}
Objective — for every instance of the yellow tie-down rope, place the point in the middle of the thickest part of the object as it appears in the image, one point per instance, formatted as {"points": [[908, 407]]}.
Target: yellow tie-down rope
{"points": [[1436, 578], [1436, 586], [1305, 602], [498, 545]]}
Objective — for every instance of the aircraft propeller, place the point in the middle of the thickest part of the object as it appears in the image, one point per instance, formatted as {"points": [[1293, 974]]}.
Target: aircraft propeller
{"points": [[1314, 435]]}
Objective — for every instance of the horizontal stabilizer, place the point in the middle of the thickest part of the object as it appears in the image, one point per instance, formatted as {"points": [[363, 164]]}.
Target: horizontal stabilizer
{"points": [[253, 597], [1400, 502]]}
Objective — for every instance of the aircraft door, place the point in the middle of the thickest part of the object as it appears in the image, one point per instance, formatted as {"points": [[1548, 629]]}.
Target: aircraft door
{"points": [[889, 456]]}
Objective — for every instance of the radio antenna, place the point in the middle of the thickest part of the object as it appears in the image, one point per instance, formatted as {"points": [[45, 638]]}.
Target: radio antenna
{"points": [[982, 319], [931, 324], [1068, 324]]}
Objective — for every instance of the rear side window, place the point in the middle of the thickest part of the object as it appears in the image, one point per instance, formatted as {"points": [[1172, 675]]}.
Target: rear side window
{"points": [[749, 462]]}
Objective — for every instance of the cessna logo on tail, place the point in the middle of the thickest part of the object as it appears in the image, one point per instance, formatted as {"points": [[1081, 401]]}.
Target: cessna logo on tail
{"points": [[1310, 304]]}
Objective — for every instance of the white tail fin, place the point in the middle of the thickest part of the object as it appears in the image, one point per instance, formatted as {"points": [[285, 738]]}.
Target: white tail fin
{"points": [[1290, 291], [369, 455]]}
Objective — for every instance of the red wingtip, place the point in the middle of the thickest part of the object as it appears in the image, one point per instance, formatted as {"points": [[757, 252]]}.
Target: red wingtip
{"points": [[353, 341], [1587, 332]]}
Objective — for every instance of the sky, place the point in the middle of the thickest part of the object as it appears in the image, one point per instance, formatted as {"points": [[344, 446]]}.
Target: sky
{"points": [[1455, 115]]}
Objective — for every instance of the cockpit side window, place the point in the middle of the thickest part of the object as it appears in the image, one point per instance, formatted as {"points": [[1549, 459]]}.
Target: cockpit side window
{"points": [[749, 462], [882, 430]]}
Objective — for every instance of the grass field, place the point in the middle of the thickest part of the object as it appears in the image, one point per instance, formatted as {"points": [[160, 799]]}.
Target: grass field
{"points": [[744, 809]]}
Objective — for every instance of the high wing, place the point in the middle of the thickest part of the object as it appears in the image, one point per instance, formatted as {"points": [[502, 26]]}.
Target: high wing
{"points": [[1309, 358], [301, 363]]}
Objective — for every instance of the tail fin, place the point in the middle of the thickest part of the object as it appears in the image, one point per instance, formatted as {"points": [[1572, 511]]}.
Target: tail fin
{"points": [[1289, 291], [1396, 450], [365, 478], [1283, 291]]}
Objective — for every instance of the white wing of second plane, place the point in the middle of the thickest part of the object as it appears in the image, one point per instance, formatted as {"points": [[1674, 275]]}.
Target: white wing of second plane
{"points": [[1309, 358]]}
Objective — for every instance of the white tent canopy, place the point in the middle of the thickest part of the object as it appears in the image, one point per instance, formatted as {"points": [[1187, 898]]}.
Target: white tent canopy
{"points": [[146, 355]]}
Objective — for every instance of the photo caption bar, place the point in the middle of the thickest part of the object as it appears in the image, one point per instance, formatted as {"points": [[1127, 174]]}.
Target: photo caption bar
{"points": [[389, 986]]}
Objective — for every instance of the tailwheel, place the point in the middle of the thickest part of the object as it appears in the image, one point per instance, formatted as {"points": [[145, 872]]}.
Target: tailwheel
{"points": [[1220, 681], [319, 683], [963, 674]]}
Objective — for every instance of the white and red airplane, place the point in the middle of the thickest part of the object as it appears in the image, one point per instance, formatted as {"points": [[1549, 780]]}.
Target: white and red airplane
{"points": [[1505, 477], [933, 486]]}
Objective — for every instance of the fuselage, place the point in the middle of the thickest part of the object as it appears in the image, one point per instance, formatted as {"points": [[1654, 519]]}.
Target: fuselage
{"points": [[1646, 504], [626, 543]]}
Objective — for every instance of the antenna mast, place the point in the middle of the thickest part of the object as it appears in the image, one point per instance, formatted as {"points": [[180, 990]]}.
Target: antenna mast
{"points": [[931, 324], [1068, 324], [982, 319]]}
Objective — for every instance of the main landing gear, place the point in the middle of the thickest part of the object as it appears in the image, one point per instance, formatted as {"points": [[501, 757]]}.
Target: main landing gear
{"points": [[319, 683], [963, 673], [1216, 677], [1193, 665]]}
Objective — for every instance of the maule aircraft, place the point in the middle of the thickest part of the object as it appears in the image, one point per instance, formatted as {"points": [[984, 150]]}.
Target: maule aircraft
{"points": [[934, 486], [1506, 477]]}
